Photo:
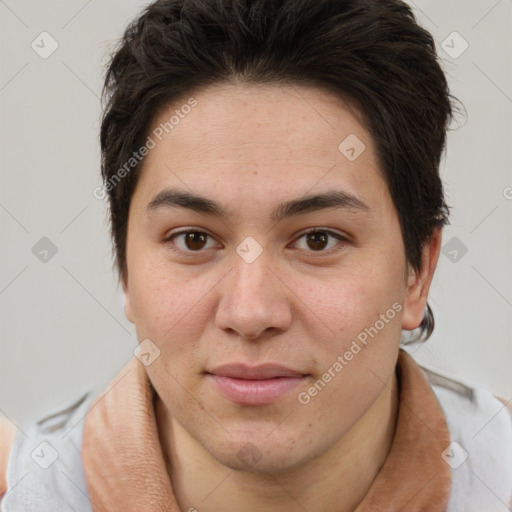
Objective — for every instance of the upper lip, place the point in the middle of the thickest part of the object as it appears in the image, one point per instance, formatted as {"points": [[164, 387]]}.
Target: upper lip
{"points": [[259, 372]]}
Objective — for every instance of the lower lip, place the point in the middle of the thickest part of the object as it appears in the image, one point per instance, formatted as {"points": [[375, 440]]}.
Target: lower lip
{"points": [[256, 392]]}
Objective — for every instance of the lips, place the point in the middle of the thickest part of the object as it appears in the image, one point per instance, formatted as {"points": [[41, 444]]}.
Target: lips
{"points": [[260, 372], [255, 385]]}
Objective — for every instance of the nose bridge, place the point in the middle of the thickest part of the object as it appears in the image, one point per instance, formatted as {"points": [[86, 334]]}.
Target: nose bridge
{"points": [[252, 299], [251, 279]]}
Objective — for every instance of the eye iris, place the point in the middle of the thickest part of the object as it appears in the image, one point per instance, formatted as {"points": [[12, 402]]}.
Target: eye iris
{"points": [[194, 238], [318, 239]]}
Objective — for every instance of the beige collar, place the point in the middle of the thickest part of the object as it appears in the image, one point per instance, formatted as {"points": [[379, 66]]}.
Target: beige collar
{"points": [[125, 468]]}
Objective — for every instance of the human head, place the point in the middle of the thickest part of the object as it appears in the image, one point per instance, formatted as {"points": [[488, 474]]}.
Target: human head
{"points": [[371, 52], [240, 103]]}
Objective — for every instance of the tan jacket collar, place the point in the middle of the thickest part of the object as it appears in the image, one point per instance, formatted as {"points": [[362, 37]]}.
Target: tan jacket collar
{"points": [[125, 469]]}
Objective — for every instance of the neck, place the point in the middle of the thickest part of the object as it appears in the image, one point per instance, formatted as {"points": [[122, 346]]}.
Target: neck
{"points": [[335, 481]]}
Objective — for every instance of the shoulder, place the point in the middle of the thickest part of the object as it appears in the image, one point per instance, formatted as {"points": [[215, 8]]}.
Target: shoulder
{"points": [[480, 453], [472, 398], [7, 433], [44, 464], [507, 403]]}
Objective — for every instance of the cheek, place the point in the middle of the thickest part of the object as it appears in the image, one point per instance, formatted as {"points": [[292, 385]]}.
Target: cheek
{"points": [[367, 307], [158, 300], [168, 310], [355, 364], [172, 309], [354, 301]]}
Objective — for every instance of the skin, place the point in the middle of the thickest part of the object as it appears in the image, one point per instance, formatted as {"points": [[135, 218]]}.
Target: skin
{"points": [[249, 148], [7, 434]]}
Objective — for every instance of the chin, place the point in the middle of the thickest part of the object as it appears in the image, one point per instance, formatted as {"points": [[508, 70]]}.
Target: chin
{"points": [[253, 459], [262, 454]]}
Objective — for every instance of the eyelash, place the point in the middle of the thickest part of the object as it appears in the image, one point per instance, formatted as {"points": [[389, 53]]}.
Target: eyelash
{"points": [[340, 238]]}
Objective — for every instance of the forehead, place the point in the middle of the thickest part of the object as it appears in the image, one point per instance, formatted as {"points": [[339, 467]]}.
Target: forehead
{"points": [[253, 114], [256, 142]]}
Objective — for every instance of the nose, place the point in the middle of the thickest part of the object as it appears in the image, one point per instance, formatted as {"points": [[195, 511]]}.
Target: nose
{"points": [[254, 300]]}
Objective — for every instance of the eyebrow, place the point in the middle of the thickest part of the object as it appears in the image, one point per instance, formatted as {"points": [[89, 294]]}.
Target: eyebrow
{"points": [[172, 198]]}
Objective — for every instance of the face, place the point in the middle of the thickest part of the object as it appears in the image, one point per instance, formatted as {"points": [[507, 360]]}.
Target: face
{"points": [[277, 299]]}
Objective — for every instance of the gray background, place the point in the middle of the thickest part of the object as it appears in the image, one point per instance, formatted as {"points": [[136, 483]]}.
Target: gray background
{"points": [[63, 327]]}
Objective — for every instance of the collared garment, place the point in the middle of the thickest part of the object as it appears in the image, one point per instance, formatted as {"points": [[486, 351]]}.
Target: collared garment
{"points": [[451, 452]]}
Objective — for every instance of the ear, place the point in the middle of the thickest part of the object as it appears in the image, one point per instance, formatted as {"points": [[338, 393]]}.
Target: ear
{"points": [[418, 283], [127, 304]]}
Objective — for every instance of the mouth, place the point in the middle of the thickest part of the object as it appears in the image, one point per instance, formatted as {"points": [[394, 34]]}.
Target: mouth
{"points": [[255, 385]]}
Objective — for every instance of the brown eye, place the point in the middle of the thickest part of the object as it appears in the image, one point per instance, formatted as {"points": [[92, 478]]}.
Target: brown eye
{"points": [[195, 241], [189, 241], [318, 240]]}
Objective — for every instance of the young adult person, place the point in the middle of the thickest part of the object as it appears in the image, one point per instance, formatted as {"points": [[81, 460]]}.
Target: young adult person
{"points": [[272, 169]]}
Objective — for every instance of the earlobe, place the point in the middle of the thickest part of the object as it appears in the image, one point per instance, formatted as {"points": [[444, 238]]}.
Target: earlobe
{"points": [[419, 281], [128, 309], [127, 304]]}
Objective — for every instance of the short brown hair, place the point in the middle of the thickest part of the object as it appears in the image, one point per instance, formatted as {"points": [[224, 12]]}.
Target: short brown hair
{"points": [[371, 51]]}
